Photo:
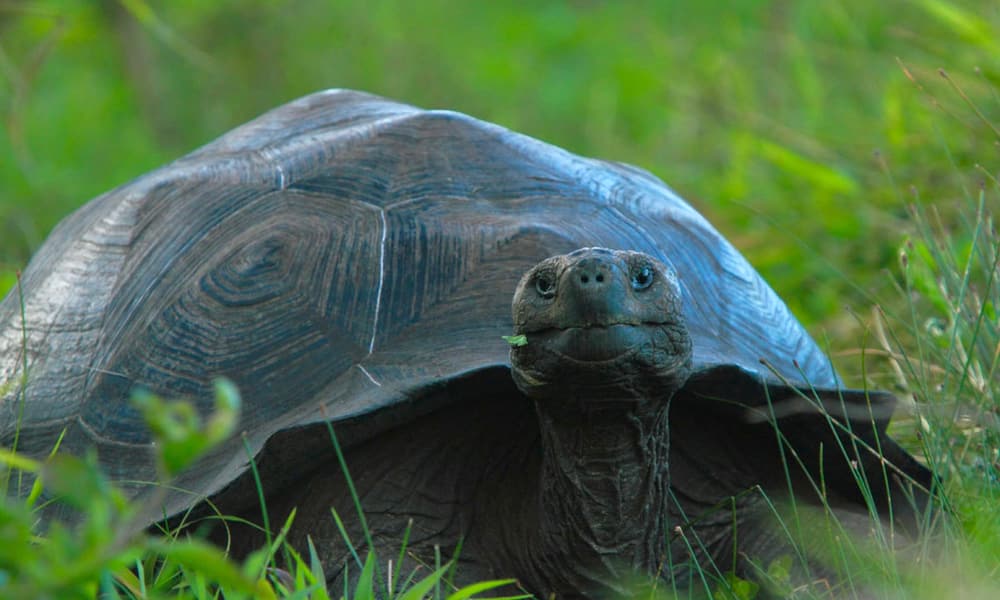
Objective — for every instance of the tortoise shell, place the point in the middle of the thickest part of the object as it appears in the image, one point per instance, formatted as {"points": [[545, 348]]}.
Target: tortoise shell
{"points": [[335, 258]]}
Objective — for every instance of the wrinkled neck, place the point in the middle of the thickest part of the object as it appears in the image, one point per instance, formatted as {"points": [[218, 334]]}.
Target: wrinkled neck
{"points": [[604, 490]]}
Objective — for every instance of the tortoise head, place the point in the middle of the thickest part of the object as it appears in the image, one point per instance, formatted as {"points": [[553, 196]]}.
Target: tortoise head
{"points": [[600, 323]]}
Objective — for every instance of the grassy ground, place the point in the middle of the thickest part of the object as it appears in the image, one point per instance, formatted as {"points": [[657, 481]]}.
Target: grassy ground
{"points": [[821, 137]]}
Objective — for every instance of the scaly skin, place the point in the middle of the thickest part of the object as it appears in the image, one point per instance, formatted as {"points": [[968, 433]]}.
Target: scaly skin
{"points": [[606, 350]]}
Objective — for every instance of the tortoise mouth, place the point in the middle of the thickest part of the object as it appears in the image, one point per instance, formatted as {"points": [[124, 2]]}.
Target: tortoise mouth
{"points": [[595, 343]]}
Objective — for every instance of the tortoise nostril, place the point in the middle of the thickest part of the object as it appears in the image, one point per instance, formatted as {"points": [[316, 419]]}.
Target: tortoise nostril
{"points": [[593, 273], [596, 276]]}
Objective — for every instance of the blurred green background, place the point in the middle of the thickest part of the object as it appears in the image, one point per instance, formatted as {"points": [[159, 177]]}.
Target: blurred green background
{"points": [[792, 125]]}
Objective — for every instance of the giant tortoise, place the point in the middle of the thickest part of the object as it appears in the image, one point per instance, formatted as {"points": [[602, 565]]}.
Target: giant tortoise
{"points": [[351, 260]]}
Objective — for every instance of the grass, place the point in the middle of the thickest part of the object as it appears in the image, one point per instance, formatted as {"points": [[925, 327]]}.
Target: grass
{"points": [[821, 137]]}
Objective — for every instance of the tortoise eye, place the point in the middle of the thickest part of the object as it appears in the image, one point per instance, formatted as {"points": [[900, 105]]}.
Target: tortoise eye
{"points": [[642, 277], [545, 285]]}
